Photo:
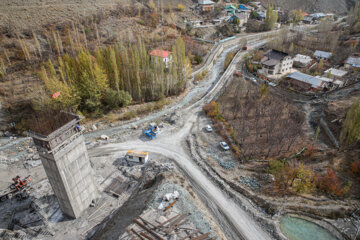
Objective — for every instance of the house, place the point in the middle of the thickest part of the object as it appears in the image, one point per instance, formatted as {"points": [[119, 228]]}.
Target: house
{"points": [[322, 55], [164, 56], [302, 61], [206, 5], [243, 18], [304, 82], [137, 157], [308, 20], [245, 8], [317, 16], [276, 62], [352, 62], [335, 73], [261, 15]]}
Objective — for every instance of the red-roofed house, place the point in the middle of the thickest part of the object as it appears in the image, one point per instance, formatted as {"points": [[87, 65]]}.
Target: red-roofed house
{"points": [[165, 56]]}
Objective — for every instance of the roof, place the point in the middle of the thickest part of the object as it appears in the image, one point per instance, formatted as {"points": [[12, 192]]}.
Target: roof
{"points": [[261, 14], [230, 7], [270, 62], [336, 72], [318, 15], [325, 79], [242, 6], [160, 53], [137, 154], [302, 77], [205, 2], [308, 19], [275, 54], [355, 62], [302, 59], [322, 54]]}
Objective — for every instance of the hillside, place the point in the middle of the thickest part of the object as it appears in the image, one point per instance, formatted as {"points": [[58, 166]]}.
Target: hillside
{"points": [[335, 6]]}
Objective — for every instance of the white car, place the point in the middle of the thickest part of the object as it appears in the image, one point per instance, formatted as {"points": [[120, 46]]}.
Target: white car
{"points": [[253, 79], [272, 84], [209, 128], [224, 146]]}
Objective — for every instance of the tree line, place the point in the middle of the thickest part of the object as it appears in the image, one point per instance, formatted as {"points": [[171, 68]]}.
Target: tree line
{"points": [[113, 77]]}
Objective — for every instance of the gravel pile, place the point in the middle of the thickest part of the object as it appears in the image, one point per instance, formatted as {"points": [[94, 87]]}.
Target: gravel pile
{"points": [[228, 165], [250, 182], [184, 203]]}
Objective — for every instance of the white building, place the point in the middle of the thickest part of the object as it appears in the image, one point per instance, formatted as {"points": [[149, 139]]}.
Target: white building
{"points": [[322, 55], [302, 60], [137, 157], [276, 62], [335, 73], [352, 62], [162, 55]]}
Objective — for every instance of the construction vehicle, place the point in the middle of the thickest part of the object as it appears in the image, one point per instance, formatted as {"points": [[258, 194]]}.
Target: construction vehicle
{"points": [[151, 131], [19, 189]]}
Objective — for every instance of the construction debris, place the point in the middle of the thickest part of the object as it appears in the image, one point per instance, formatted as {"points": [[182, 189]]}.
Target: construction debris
{"points": [[163, 226]]}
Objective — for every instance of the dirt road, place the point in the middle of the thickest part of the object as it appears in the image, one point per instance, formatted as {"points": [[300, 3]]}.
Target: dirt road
{"points": [[237, 224]]}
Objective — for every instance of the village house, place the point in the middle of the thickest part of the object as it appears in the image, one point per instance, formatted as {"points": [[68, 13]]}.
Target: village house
{"points": [[206, 5], [304, 82], [137, 157], [276, 62], [231, 9], [302, 61], [161, 55], [321, 55], [352, 62], [245, 8], [243, 18], [335, 73]]}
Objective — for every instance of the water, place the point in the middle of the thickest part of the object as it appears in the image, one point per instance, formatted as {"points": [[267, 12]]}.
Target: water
{"points": [[299, 229]]}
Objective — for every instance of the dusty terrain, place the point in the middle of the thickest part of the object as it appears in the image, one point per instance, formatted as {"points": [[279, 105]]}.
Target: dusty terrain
{"points": [[328, 6]]}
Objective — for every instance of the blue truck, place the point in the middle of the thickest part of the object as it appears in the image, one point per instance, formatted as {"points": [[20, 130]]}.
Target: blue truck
{"points": [[151, 132]]}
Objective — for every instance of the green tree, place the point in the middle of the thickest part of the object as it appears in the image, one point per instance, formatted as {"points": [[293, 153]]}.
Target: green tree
{"points": [[350, 133], [271, 18], [296, 15]]}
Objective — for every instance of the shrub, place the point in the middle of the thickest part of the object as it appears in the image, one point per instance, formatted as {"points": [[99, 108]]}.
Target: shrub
{"points": [[198, 59], [116, 99], [228, 59], [128, 115], [330, 183], [181, 7]]}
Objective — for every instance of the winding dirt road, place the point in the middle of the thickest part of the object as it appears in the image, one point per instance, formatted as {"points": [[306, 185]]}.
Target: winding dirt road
{"points": [[235, 222]]}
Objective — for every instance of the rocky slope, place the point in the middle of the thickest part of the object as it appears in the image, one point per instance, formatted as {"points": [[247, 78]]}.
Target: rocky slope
{"points": [[328, 6]]}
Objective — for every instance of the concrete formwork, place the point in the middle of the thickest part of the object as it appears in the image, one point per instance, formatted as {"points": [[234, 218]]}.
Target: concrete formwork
{"points": [[67, 166]]}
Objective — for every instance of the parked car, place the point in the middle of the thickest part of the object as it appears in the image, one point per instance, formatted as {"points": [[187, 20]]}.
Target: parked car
{"points": [[253, 79], [272, 84], [209, 128], [224, 146]]}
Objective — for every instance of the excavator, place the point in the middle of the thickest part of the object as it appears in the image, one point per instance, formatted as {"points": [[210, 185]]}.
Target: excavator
{"points": [[19, 189]]}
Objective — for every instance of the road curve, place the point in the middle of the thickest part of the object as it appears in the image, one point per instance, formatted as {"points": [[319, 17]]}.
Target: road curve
{"points": [[241, 223]]}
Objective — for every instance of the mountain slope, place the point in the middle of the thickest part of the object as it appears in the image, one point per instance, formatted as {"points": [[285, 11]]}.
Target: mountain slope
{"points": [[333, 6]]}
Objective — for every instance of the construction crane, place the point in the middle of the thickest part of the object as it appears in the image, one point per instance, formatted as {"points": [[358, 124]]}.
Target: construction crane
{"points": [[19, 188]]}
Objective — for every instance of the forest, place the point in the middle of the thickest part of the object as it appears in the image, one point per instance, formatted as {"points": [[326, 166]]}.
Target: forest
{"points": [[111, 77]]}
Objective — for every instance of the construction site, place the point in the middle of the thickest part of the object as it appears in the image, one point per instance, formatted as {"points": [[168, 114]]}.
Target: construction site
{"points": [[130, 195]]}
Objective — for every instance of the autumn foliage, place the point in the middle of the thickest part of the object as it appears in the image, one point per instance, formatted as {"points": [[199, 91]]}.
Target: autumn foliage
{"points": [[330, 183]]}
